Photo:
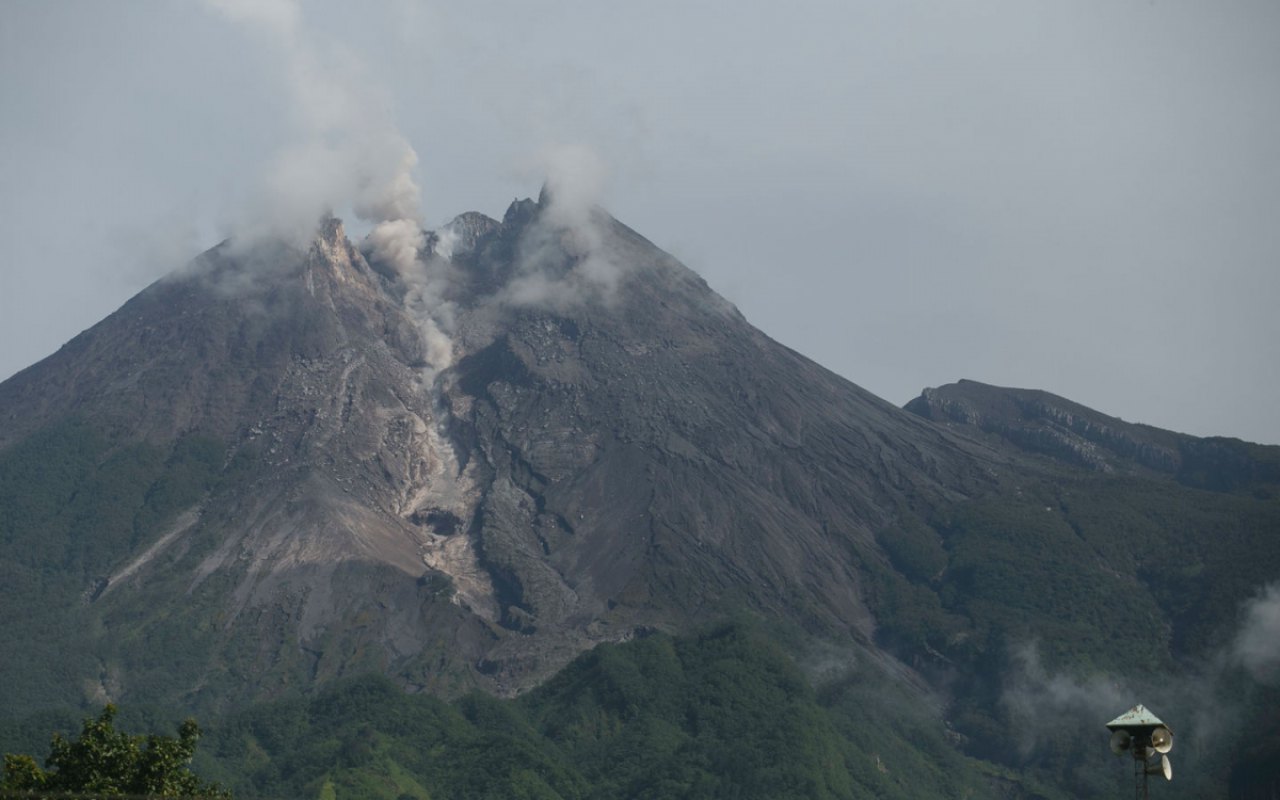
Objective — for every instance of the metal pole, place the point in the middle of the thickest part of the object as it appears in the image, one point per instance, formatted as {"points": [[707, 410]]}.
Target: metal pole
{"points": [[1140, 791]]}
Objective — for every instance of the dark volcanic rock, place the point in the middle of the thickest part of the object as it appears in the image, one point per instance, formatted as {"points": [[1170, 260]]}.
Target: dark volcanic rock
{"points": [[1043, 423], [648, 459], [284, 465], [612, 448]]}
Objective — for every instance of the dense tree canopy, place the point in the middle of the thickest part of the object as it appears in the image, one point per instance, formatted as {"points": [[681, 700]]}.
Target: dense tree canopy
{"points": [[106, 762]]}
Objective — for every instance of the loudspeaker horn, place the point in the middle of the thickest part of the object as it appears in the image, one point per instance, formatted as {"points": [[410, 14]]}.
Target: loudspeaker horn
{"points": [[1162, 740], [1121, 741], [1162, 767]]}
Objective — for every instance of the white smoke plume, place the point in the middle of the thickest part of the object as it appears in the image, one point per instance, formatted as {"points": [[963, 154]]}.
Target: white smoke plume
{"points": [[1035, 697], [282, 17], [1257, 645], [446, 240], [348, 155], [397, 243], [576, 179], [1203, 704], [571, 223], [400, 244], [347, 152]]}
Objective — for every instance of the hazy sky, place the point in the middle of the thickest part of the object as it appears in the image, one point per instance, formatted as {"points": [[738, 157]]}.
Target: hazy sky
{"points": [[1082, 197]]}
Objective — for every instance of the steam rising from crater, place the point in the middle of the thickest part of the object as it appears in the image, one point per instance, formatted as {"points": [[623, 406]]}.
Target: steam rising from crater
{"points": [[401, 245], [571, 224], [348, 156], [346, 152], [397, 243]]}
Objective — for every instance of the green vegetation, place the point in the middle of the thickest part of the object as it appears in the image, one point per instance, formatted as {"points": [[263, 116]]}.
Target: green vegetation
{"points": [[89, 499], [104, 762], [71, 503], [366, 738], [723, 715], [1105, 575], [1102, 572], [1131, 578]]}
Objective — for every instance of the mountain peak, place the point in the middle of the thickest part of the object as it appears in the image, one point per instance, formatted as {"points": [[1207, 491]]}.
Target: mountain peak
{"points": [[460, 234], [462, 464], [530, 438], [520, 212], [331, 232]]}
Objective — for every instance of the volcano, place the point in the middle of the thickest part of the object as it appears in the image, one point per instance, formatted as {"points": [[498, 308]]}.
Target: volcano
{"points": [[287, 463]]}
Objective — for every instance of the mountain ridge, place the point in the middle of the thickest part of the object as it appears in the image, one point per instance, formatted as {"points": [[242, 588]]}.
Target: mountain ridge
{"points": [[460, 458], [306, 364], [1040, 422]]}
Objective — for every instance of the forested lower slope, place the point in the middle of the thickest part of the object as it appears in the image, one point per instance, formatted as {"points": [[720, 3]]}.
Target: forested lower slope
{"points": [[726, 714], [258, 479]]}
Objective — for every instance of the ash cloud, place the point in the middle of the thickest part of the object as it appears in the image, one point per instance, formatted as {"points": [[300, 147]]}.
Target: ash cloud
{"points": [[398, 244]]}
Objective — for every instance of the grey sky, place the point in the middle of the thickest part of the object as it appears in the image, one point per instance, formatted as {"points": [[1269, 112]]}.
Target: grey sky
{"points": [[1082, 197]]}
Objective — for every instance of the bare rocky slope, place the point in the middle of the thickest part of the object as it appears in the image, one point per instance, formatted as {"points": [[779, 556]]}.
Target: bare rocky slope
{"points": [[602, 446], [1039, 422], [603, 459]]}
